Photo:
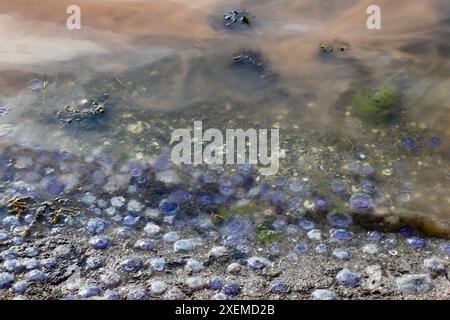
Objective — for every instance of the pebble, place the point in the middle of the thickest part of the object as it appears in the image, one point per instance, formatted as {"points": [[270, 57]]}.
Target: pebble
{"points": [[348, 278], [414, 283], [234, 268], [323, 294]]}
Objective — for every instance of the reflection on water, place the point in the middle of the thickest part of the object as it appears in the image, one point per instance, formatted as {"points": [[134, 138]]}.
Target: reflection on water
{"points": [[165, 64]]}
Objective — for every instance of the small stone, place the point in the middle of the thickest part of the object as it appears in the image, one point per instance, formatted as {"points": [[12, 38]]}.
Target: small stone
{"points": [[234, 268], [348, 278], [322, 294], [414, 283]]}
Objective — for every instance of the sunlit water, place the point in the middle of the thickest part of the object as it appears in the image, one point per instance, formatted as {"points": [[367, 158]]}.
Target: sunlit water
{"points": [[165, 64]]}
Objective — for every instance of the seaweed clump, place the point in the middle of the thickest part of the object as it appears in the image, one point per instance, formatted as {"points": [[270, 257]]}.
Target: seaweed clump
{"points": [[376, 106]]}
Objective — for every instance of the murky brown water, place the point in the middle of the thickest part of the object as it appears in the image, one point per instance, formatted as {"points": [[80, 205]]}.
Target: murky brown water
{"points": [[162, 61]]}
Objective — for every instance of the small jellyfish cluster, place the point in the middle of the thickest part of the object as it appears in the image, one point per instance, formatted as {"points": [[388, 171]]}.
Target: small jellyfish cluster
{"points": [[218, 227]]}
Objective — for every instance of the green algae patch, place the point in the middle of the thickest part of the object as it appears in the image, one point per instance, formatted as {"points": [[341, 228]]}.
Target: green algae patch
{"points": [[376, 106], [226, 212], [268, 236]]}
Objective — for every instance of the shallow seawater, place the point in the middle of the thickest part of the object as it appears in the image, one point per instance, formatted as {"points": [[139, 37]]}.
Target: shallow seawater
{"points": [[166, 64]]}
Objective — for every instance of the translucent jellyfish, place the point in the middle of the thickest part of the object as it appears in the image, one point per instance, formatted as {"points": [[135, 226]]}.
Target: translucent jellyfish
{"points": [[409, 144], [339, 220], [361, 202], [168, 207], [339, 186]]}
